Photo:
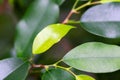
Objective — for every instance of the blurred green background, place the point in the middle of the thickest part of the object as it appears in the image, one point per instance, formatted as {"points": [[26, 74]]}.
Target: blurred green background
{"points": [[11, 11]]}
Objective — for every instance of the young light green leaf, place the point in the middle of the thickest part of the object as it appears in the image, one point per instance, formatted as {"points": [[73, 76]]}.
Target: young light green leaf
{"points": [[57, 74], [106, 1], [40, 14], [94, 57], [103, 20], [13, 68], [84, 77], [49, 36]]}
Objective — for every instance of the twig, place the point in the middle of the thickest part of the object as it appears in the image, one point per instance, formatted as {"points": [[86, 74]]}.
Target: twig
{"points": [[75, 4], [38, 66], [69, 15], [87, 4], [77, 9]]}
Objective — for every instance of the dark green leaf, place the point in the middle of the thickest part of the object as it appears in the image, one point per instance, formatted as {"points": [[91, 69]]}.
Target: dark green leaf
{"points": [[57, 74], [13, 68], [49, 36], [40, 14], [94, 57], [103, 20]]}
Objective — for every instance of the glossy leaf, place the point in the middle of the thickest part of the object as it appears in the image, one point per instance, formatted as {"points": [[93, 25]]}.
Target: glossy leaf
{"points": [[49, 36], [103, 20], [40, 14], [13, 68], [57, 74], [94, 57], [105, 1], [84, 77]]}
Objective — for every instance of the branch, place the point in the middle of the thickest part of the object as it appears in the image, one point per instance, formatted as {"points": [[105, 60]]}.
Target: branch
{"points": [[38, 66], [69, 15], [77, 9]]}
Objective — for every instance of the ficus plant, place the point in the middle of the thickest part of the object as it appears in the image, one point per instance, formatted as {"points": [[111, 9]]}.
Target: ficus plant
{"points": [[38, 31]]}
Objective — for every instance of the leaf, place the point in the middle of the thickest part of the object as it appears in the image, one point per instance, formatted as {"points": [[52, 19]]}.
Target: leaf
{"points": [[103, 20], [94, 57], [105, 1], [49, 36], [13, 68], [57, 74], [84, 77], [40, 14]]}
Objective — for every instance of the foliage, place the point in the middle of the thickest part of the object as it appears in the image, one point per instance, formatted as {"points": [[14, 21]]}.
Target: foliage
{"points": [[49, 36], [39, 30], [96, 53]]}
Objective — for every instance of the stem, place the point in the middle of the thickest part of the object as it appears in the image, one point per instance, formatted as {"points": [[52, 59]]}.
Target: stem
{"points": [[58, 62], [77, 9], [69, 15], [73, 22], [67, 69], [71, 12], [76, 2], [87, 4], [54, 65], [38, 66]]}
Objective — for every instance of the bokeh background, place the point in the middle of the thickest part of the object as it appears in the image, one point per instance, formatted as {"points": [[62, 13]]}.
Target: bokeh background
{"points": [[11, 11]]}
